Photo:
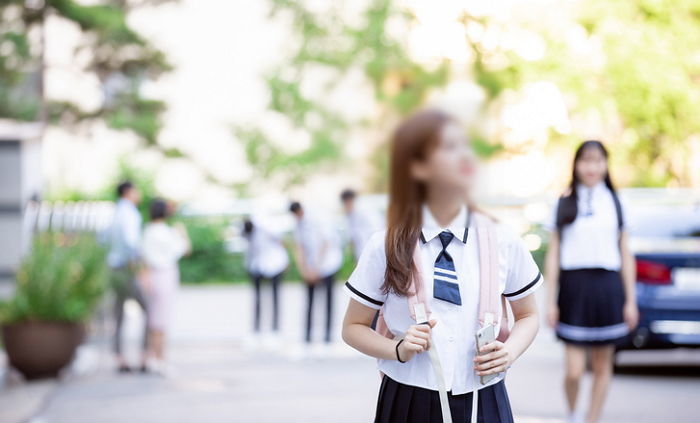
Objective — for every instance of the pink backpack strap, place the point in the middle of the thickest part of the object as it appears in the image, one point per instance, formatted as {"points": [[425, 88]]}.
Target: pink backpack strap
{"points": [[417, 288], [489, 296]]}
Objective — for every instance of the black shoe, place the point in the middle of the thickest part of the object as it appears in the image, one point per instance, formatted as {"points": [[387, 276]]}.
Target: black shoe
{"points": [[123, 368], [144, 369]]}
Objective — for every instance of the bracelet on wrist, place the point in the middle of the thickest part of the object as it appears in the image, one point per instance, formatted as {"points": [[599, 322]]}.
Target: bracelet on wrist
{"points": [[398, 357]]}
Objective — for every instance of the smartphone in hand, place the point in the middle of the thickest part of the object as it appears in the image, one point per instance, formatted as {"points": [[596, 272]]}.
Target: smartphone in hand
{"points": [[484, 336]]}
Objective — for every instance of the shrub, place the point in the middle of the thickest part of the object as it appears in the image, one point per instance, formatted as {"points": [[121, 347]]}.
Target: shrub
{"points": [[61, 279]]}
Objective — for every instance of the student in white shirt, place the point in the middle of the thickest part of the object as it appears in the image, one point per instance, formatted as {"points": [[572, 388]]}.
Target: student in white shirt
{"points": [[431, 174], [266, 258], [318, 255], [361, 224], [591, 272], [123, 258], [161, 249]]}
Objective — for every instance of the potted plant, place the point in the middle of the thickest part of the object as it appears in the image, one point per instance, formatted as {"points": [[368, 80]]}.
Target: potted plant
{"points": [[59, 283]]}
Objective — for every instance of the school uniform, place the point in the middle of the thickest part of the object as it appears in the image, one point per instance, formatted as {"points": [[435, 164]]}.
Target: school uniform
{"points": [[322, 249], [409, 390], [162, 247], [591, 293], [124, 249], [266, 258], [361, 224]]}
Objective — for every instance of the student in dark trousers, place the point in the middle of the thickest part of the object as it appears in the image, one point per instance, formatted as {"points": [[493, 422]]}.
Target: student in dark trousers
{"points": [[123, 260], [318, 256], [266, 260], [591, 272], [431, 236]]}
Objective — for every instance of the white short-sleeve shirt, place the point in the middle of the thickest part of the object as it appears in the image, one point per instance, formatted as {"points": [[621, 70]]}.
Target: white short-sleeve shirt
{"points": [[453, 335], [321, 243], [593, 239], [162, 246], [361, 224], [266, 255]]}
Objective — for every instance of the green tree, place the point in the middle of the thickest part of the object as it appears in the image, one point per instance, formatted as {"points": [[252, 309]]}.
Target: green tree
{"points": [[119, 57], [648, 81], [326, 42], [642, 79]]}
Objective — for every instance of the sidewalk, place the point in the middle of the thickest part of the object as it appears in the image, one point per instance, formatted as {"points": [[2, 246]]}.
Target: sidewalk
{"points": [[219, 378]]}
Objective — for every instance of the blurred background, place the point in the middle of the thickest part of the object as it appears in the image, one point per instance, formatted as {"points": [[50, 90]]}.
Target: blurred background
{"points": [[233, 108]]}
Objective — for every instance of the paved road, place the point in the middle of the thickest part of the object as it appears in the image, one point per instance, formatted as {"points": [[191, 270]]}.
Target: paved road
{"points": [[220, 378]]}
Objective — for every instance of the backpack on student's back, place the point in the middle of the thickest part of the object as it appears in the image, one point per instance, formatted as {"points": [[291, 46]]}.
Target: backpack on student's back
{"points": [[489, 298]]}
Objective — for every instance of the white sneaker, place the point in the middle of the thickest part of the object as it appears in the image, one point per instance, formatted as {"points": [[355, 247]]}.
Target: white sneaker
{"points": [[575, 418], [321, 351], [252, 342], [161, 368], [299, 352], [271, 342]]}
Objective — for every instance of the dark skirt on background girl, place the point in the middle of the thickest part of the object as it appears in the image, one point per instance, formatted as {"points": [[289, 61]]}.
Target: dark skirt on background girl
{"points": [[591, 302], [399, 403]]}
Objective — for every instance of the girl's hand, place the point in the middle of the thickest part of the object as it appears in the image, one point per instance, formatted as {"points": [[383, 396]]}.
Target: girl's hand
{"points": [[310, 276], [416, 340], [552, 315], [631, 314], [497, 359]]}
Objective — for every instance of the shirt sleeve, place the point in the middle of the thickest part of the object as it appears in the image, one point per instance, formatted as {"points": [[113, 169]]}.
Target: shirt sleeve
{"points": [[149, 247], [551, 224], [365, 282], [178, 244], [523, 277], [623, 214]]}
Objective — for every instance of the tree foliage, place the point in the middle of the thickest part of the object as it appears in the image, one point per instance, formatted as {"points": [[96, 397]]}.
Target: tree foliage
{"points": [[119, 57], [326, 43], [642, 80]]}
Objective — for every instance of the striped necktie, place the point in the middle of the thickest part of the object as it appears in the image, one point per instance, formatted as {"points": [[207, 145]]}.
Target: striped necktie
{"points": [[445, 285]]}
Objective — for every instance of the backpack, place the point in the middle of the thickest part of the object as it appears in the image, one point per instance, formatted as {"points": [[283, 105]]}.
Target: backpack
{"points": [[489, 302]]}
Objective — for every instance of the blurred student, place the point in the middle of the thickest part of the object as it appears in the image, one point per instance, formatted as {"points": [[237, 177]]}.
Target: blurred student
{"points": [[429, 259], [266, 259], [591, 272], [361, 223], [318, 256], [161, 248], [123, 259]]}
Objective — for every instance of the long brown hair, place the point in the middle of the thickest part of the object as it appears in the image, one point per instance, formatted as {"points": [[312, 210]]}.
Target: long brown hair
{"points": [[413, 140]]}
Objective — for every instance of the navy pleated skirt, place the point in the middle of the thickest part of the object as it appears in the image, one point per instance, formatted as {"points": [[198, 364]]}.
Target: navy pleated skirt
{"points": [[590, 307], [399, 403]]}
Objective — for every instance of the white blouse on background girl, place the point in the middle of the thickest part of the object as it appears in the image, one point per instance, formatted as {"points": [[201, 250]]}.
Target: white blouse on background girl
{"points": [[592, 241]]}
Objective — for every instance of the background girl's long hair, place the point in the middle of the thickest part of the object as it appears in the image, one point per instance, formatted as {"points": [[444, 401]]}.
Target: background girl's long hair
{"points": [[412, 141], [568, 204]]}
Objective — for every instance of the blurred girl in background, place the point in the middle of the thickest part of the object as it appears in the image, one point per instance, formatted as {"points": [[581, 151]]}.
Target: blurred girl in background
{"points": [[162, 246], [429, 236], [592, 301]]}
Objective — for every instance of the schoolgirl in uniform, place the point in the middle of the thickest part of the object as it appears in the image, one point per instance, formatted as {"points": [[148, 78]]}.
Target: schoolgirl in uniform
{"points": [[590, 267], [432, 172]]}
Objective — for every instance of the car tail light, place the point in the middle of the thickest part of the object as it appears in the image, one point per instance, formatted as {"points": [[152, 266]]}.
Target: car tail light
{"points": [[653, 273]]}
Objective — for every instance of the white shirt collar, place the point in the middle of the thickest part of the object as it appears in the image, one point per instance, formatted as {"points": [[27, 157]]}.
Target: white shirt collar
{"points": [[431, 228], [599, 187]]}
